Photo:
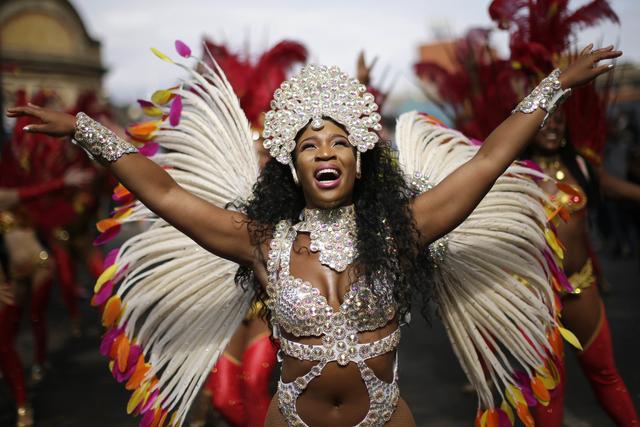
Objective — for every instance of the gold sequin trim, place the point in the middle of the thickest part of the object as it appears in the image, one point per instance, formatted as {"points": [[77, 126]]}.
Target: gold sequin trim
{"points": [[583, 278]]}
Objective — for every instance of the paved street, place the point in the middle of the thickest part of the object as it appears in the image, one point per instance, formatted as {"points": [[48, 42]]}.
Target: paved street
{"points": [[78, 390]]}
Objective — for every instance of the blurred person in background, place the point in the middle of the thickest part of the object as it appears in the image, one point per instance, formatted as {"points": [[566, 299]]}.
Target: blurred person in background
{"points": [[27, 268], [634, 174], [620, 221], [575, 185], [540, 34]]}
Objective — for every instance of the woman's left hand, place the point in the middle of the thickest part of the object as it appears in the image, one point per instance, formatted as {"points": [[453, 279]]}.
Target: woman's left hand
{"points": [[585, 67]]}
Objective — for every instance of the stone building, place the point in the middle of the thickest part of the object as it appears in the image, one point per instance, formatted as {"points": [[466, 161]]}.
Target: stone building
{"points": [[44, 44]]}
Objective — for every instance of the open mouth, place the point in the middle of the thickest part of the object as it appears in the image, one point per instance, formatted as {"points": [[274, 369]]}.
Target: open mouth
{"points": [[327, 178]]}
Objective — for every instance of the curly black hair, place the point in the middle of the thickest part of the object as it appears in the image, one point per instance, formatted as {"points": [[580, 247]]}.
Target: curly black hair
{"points": [[387, 238]]}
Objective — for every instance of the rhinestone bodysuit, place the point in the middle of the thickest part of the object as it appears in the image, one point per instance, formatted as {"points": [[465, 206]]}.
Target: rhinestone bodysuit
{"points": [[301, 310]]}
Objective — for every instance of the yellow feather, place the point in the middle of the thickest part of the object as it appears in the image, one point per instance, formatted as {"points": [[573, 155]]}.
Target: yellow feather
{"points": [[570, 338], [161, 55]]}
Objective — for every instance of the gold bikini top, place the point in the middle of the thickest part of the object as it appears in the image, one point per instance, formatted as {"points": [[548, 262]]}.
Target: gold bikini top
{"points": [[570, 197]]}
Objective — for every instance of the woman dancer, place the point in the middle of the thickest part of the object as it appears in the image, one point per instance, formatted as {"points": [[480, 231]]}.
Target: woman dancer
{"points": [[332, 234], [583, 310], [29, 278], [41, 160], [581, 314], [540, 33]]}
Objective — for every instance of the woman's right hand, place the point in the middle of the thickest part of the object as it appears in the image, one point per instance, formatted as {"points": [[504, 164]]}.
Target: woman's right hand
{"points": [[54, 123]]}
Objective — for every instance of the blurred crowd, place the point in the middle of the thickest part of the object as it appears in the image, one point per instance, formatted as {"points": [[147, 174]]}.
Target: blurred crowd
{"points": [[619, 221]]}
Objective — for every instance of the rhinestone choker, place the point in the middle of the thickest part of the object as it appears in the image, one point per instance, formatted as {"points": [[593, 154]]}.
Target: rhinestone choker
{"points": [[333, 233]]}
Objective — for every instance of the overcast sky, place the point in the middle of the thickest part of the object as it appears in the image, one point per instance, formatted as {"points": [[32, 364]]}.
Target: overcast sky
{"points": [[334, 31]]}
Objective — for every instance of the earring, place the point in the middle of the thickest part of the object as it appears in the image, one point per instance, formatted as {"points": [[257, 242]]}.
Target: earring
{"points": [[358, 168], [294, 174], [563, 142]]}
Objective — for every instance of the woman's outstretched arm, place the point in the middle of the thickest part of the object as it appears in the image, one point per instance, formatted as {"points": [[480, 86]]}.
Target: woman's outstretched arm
{"points": [[443, 208], [218, 230], [617, 188]]}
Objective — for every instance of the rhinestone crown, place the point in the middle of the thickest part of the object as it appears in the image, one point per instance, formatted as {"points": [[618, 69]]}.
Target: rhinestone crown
{"points": [[319, 91]]}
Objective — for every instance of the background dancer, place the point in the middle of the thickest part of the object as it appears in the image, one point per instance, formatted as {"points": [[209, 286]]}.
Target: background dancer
{"points": [[28, 271], [535, 41]]}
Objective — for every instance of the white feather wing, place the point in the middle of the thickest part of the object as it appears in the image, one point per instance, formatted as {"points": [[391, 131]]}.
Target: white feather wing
{"points": [[176, 303], [491, 278]]}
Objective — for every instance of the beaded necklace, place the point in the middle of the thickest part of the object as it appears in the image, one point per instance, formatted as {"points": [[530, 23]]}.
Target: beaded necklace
{"points": [[333, 233]]}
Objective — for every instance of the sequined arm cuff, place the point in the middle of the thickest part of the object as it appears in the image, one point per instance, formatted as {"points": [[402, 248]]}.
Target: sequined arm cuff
{"points": [[437, 249], [548, 95], [100, 143]]}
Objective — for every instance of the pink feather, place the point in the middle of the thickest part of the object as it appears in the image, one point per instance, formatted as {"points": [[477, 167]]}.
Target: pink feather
{"points": [[107, 235], [182, 49], [110, 258], [103, 294], [147, 419], [175, 111], [108, 339], [149, 149]]}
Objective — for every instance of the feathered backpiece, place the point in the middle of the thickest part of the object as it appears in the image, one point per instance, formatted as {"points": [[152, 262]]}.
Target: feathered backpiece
{"points": [[254, 83], [170, 306], [542, 36], [480, 91], [494, 276]]}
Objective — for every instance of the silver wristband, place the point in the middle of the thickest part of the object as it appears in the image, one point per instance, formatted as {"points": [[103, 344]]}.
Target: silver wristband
{"points": [[100, 143], [438, 248], [548, 95]]}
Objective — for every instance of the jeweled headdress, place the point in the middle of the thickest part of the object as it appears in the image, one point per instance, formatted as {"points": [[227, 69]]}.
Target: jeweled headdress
{"points": [[319, 91]]}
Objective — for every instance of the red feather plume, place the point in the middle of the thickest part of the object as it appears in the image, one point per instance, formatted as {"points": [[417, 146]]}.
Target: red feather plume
{"points": [[255, 83], [480, 90]]}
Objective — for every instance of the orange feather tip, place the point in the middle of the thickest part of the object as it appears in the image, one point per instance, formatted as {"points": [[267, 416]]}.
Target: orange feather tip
{"points": [[143, 131], [112, 311], [107, 223]]}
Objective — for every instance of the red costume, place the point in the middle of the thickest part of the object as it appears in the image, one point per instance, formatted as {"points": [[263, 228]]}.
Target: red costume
{"points": [[33, 184], [45, 205]]}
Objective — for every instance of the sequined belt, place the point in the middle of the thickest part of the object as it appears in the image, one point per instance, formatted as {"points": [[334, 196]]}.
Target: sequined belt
{"points": [[341, 351], [383, 396], [583, 279]]}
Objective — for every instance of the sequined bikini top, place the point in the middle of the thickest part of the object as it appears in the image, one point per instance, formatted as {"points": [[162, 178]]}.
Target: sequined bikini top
{"points": [[300, 309]]}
